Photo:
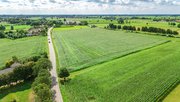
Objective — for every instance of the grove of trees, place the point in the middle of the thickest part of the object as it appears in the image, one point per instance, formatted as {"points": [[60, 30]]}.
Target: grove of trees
{"points": [[37, 68]]}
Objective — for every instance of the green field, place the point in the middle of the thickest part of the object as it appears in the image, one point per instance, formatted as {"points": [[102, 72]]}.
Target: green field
{"points": [[16, 26], [21, 93], [21, 48], [140, 77], [85, 47]]}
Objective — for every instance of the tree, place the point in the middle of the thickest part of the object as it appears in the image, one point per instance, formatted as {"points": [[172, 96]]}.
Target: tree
{"points": [[2, 27], [64, 20], [42, 63], [178, 25], [119, 26], [43, 93], [83, 23], [12, 27], [2, 35], [64, 73], [121, 21], [175, 33], [43, 77]]}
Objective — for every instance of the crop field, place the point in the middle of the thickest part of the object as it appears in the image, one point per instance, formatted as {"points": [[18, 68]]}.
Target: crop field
{"points": [[22, 48], [140, 77], [85, 47], [20, 93]]}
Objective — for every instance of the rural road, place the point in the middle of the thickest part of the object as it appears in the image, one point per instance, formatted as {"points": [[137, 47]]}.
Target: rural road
{"points": [[55, 84]]}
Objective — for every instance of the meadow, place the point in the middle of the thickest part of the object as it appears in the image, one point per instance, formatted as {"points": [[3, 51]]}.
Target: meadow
{"points": [[16, 26], [22, 48], [84, 47], [20, 93], [145, 76]]}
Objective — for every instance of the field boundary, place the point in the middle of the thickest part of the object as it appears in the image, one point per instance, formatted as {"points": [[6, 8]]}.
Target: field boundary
{"points": [[122, 56], [168, 91]]}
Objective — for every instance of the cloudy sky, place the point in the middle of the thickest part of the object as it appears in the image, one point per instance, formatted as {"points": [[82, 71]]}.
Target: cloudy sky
{"points": [[89, 6]]}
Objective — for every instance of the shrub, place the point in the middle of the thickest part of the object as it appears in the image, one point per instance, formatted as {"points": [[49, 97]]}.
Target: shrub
{"points": [[64, 73], [9, 63]]}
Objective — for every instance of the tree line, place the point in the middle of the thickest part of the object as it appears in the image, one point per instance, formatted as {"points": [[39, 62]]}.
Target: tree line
{"points": [[144, 29], [34, 68]]}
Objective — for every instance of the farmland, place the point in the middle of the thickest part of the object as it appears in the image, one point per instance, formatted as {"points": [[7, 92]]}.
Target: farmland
{"points": [[21, 48], [95, 61], [85, 47], [142, 77]]}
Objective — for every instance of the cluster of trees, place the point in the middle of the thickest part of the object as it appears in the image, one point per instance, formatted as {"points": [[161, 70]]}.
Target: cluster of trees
{"points": [[120, 21], [22, 72], [13, 34], [131, 28], [34, 67], [113, 26], [42, 83], [172, 23], [159, 30], [83, 23]]}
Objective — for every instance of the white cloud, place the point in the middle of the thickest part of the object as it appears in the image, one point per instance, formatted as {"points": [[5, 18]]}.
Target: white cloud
{"points": [[88, 6]]}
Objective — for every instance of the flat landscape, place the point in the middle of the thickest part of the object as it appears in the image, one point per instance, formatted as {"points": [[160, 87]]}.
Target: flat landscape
{"points": [[22, 48], [98, 58], [80, 48], [141, 77]]}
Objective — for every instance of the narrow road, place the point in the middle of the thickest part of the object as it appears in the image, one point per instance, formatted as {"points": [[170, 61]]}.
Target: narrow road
{"points": [[55, 84]]}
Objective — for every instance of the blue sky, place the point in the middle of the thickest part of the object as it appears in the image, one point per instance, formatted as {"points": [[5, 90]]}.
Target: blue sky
{"points": [[89, 6]]}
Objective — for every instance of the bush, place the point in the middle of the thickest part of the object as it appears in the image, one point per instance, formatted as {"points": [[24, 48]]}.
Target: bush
{"points": [[64, 73], [9, 63]]}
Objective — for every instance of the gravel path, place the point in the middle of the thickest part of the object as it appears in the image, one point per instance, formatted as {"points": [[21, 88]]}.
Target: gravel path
{"points": [[55, 84]]}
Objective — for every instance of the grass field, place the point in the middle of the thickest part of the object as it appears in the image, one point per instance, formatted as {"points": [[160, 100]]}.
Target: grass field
{"points": [[21, 93], [140, 77], [84, 47], [16, 26], [174, 96], [21, 48]]}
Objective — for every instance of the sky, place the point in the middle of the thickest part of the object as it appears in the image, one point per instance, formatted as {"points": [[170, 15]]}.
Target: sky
{"points": [[89, 6]]}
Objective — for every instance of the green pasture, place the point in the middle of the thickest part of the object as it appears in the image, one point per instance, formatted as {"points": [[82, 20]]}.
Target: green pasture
{"points": [[85, 47], [148, 23], [140, 77], [22, 48], [17, 27], [20, 93]]}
